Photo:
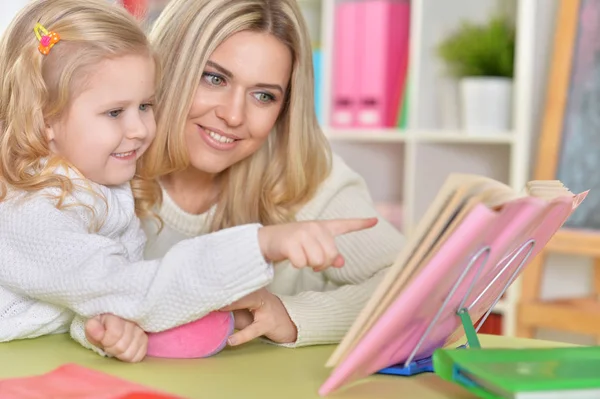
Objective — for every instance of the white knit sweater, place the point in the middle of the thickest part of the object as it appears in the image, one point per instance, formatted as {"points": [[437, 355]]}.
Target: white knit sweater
{"points": [[55, 273], [322, 305]]}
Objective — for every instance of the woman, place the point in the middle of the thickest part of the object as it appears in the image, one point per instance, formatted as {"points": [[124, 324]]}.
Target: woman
{"points": [[238, 142]]}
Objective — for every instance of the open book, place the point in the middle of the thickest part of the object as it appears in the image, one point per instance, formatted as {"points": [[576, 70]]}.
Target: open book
{"points": [[456, 201]]}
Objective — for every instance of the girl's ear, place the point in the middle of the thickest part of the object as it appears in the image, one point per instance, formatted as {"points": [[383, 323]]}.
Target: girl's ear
{"points": [[51, 136], [50, 133]]}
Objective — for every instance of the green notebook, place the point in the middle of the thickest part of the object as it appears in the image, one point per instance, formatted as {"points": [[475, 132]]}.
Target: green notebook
{"points": [[540, 373]]}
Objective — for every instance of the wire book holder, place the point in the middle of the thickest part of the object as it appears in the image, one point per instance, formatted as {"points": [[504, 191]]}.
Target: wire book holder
{"points": [[412, 366]]}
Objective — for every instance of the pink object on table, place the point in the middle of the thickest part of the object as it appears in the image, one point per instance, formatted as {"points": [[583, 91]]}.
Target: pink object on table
{"points": [[75, 381], [201, 338]]}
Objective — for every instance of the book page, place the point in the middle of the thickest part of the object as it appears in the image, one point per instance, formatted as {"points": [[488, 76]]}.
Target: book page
{"points": [[451, 198], [547, 189], [432, 213]]}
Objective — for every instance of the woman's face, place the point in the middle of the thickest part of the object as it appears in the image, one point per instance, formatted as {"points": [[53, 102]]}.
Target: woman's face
{"points": [[239, 98]]}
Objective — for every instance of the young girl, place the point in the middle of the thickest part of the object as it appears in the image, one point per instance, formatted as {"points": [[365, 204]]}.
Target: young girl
{"points": [[77, 86]]}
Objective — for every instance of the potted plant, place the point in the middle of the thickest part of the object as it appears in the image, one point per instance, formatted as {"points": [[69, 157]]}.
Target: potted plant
{"points": [[481, 57]]}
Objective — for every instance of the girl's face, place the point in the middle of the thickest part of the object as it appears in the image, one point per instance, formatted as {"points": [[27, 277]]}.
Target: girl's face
{"points": [[238, 100], [110, 124]]}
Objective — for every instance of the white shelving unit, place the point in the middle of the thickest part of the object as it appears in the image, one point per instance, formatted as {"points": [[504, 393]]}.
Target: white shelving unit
{"points": [[8, 10], [409, 166]]}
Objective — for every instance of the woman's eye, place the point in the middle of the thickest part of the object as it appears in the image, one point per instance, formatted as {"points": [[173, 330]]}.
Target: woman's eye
{"points": [[213, 79], [145, 107], [265, 97], [115, 113]]}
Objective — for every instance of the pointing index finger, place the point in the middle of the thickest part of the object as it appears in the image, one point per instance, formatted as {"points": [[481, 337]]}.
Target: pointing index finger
{"points": [[344, 226]]}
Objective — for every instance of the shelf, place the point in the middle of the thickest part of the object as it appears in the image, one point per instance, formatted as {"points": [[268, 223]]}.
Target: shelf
{"points": [[367, 135], [424, 136], [458, 136], [413, 162]]}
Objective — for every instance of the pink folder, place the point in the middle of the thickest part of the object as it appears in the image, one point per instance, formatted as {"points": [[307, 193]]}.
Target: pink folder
{"points": [[519, 230], [75, 381], [385, 29], [345, 63]]}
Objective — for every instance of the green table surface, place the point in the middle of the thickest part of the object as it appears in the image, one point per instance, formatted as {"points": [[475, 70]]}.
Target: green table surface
{"points": [[256, 370]]}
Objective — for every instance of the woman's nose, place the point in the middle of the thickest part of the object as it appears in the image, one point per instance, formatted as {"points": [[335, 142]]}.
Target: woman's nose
{"points": [[232, 108]]}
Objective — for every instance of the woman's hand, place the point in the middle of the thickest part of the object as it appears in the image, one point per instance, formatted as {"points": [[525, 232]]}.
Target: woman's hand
{"points": [[309, 244], [261, 314]]}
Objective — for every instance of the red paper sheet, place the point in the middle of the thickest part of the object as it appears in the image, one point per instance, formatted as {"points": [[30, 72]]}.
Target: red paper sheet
{"points": [[72, 381]]}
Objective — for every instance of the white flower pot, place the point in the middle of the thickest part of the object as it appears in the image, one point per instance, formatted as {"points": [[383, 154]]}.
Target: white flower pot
{"points": [[486, 104], [448, 104]]}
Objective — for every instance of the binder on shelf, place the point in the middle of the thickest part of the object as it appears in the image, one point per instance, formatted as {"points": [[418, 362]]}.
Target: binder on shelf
{"points": [[404, 106], [385, 29], [318, 93], [474, 241], [345, 64]]}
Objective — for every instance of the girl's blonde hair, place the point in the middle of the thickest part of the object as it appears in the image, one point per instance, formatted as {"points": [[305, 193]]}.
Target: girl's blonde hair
{"points": [[270, 185], [35, 88]]}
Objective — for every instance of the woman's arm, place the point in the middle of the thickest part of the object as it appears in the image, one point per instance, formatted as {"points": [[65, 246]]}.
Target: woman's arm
{"points": [[48, 255], [325, 317]]}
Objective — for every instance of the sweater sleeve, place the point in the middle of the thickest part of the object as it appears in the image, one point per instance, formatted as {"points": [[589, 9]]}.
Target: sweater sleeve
{"points": [[77, 332], [325, 317], [53, 258]]}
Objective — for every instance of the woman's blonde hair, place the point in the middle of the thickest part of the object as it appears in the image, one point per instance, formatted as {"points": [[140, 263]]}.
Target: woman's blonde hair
{"points": [[270, 185], [35, 88]]}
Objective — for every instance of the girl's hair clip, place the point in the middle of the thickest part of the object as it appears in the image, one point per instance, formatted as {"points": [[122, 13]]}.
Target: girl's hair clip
{"points": [[47, 39]]}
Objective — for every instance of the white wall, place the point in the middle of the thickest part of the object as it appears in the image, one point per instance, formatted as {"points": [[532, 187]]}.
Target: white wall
{"points": [[8, 9]]}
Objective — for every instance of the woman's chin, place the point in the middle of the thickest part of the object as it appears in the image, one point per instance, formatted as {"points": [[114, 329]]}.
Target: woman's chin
{"points": [[210, 164]]}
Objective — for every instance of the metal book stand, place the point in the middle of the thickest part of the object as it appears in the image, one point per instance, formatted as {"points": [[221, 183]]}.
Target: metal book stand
{"points": [[412, 366]]}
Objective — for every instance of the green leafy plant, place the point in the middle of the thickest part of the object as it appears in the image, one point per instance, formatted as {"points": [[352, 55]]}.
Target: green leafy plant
{"points": [[480, 50]]}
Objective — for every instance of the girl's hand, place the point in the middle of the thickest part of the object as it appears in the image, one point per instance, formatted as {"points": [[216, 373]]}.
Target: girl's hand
{"points": [[261, 314], [309, 244], [118, 337]]}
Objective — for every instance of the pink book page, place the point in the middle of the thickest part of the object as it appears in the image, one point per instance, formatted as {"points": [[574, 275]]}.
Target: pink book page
{"points": [[74, 381], [541, 230], [506, 262], [396, 331], [528, 244], [394, 337]]}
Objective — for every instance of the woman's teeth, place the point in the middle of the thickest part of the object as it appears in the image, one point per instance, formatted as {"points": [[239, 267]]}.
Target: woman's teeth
{"points": [[219, 138], [123, 154]]}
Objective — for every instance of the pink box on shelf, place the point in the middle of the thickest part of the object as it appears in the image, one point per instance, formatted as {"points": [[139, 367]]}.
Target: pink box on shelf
{"points": [[384, 50], [345, 64]]}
